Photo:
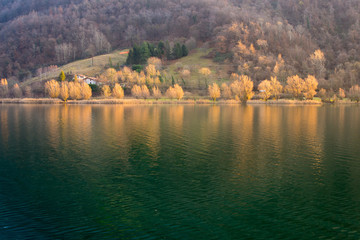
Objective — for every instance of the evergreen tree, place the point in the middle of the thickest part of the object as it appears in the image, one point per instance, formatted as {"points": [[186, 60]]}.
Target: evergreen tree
{"points": [[185, 51], [62, 76], [130, 58], [167, 50], [144, 53], [177, 51], [161, 49], [137, 54], [151, 49]]}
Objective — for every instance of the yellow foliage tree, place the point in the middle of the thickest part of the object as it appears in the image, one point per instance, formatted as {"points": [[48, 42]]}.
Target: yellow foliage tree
{"points": [[170, 93], [179, 93], [295, 86], [117, 91], [74, 90], [265, 89], [86, 91], [151, 70], [242, 87], [225, 91], [109, 76], [156, 62], [17, 91], [214, 91], [156, 92], [136, 91], [310, 86], [106, 91], [276, 87], [64, 91], [145, 93], [52, 88]]}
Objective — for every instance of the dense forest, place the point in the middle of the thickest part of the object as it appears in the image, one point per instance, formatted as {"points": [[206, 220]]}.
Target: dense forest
{"points": [[260, 38]]}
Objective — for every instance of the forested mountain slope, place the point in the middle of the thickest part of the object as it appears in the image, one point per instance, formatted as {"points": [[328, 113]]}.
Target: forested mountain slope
{"points": [[250, 35]]}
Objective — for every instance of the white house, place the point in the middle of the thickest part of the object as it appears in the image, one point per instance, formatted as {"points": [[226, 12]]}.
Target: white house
{"points": [[88, 80]]}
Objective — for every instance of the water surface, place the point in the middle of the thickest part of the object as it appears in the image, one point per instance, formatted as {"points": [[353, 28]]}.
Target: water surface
{"points": [[179, 172]]}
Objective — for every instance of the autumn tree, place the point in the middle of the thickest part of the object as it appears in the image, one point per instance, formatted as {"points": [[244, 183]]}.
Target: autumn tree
{"points": [[242, 87], [310, 86], [86, 91], [145, 93], [225, 91], [295, 86], [170, 93], [276, 87], [136, 91], [317, 60], [179, 93], [205, 72], [52, 88], [106, 91], [354, 93], [156, 92], [64, 91], [117, 91], [214, 91], [156, 62], [265, 89], [4, 88], [341, 93], [74, 90], [109, 76]]}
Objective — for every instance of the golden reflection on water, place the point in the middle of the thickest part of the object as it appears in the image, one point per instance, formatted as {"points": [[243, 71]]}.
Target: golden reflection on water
{"points": [[4, 127]]}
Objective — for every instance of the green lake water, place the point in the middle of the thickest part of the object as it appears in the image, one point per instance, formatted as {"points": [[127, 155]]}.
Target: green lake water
{"points": [[179, 172]]}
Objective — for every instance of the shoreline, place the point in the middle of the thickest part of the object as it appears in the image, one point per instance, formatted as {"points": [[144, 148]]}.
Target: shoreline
{"points": [[163, 101]]}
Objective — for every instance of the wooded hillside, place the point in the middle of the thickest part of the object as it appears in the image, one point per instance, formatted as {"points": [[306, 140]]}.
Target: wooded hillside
{"points": [[258, 37]]}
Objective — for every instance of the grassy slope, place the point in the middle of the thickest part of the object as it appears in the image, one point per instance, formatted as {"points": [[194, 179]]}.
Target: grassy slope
{"points": [[84, 66], [196, 60]]}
